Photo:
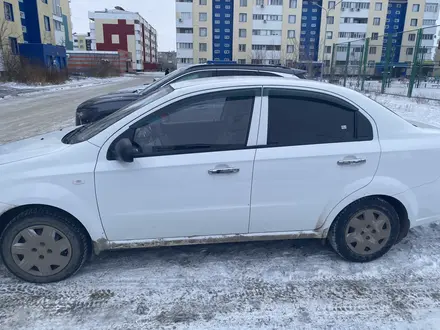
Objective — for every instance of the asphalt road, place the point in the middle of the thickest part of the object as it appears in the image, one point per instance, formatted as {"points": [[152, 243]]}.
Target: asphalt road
{"points": [[40, 112]]}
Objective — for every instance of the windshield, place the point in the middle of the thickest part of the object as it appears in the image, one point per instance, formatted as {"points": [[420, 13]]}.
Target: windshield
{"points": [[88, 131], [161, 82]]}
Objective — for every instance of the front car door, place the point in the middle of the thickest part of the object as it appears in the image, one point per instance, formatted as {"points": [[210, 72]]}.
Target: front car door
{"points": [[193, 172], [318, 148]]}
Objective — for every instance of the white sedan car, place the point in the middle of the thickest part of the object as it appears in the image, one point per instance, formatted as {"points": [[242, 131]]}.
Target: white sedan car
{"points": [[219, 160]]}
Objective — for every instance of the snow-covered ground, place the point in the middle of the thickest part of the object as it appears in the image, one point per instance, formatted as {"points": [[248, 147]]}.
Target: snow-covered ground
{"points": [[266, 285], [11, 89]]}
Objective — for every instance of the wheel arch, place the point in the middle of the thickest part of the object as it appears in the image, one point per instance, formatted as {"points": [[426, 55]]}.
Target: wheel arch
{"points": [[10, 214], [397, 204]]}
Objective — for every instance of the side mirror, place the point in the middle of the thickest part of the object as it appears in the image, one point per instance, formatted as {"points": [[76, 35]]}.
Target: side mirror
{"points": [[124, 150]]}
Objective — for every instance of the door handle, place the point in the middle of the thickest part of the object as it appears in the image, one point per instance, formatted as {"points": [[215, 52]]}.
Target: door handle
{"points": [[352, 161], [227, 170]]}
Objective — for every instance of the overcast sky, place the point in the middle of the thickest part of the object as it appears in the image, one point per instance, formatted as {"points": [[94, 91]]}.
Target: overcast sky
{"points": [[159, 13]]}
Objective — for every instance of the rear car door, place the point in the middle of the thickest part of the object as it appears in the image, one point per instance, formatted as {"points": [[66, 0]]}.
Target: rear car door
{"points": [[315, 149]]}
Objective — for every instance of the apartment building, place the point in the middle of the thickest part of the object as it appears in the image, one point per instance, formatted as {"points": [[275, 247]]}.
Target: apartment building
{"points": [[31, 27], [118, 29], [288, 31], [82, 41], [37, 21]]}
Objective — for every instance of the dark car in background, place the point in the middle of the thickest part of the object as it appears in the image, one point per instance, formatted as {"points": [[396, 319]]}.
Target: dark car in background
{"points": [[101, 106]]}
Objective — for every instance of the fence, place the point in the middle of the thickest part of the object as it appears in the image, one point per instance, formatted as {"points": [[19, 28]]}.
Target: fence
{"points": [[400, 63]]}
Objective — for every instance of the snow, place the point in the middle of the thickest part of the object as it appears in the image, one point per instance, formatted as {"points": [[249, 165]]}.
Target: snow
{"points": [[260, 285], [19, 89]]}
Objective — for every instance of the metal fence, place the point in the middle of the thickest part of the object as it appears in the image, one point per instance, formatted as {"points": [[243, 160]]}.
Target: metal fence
{"points": [[403, 63]]}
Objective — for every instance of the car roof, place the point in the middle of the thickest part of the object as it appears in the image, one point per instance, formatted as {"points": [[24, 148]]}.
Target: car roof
{"points": [[253, 67], [238, 81]]}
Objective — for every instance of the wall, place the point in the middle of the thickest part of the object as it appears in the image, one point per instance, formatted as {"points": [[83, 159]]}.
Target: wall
{"points": [[46, 37], [84, 61]]}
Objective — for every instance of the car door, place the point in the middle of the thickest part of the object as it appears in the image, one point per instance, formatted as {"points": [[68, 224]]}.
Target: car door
{"points": [[192, 175], [318, 149]]}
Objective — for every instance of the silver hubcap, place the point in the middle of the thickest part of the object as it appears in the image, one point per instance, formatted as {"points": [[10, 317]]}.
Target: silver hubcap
{"points": [[41, 250], [367, 232]]}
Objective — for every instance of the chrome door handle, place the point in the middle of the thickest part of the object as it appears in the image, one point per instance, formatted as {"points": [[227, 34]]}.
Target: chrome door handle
{"points": [[227, 170], [353, 161]]}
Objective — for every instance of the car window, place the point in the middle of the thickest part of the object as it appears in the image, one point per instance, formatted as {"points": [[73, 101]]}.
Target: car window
{"points": [[162, 82], [214, 121], [86, 132], [299, 119], [196, 75]]}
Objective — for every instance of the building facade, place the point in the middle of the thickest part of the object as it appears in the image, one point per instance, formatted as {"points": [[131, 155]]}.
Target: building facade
{"points": [[40, 30], [291, 31], [82, 41], [117, 29]]}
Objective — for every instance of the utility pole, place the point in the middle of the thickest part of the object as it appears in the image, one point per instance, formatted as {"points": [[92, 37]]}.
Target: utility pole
{"points": [[327, 14]]}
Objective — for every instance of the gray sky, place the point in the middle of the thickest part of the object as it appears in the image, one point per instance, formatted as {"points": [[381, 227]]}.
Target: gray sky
{"points": [[159, 13]]}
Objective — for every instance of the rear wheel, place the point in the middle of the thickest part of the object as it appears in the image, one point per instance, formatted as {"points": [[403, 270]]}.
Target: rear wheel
{"points": [[365, 230], [42, 246]]}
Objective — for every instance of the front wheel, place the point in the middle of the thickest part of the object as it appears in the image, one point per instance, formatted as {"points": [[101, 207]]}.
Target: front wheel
{"points": [[42, 246], [365, 230]]}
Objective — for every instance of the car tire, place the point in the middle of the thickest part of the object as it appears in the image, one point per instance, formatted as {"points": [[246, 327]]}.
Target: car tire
{"points": [[365, 230], [41, 245]]}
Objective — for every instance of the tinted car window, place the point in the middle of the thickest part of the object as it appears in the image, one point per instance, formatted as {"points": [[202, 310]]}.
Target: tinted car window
{"points": [[215, 121], [296, 119], [196, 75], [86, 132]]}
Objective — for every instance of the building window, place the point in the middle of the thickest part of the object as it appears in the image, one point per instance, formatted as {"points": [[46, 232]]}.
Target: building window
{"points": [[378, 6], [292, 19], [203, 47], [411, 37], [14, 45], [243, 3], [409, 51], [46, 23], [58, 25], [431, 7], [242, 33], [376, 21], [9, 11], [413, 22], [185, 15], [203, 60], [291, 34], [290, 48], [372, 50], [241, 47], [260, 2], [44, 1], [374, 36], [241, 61], [329, 34], [203, 32], [275, 2], [203, 2], [203, 17], [416, 8], [293, 4], [331, 5], [330, 19], [429, 22], [242, 17], [328, 49]]}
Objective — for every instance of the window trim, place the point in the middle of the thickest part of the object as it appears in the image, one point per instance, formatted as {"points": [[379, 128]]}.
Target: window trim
{"points": [[129, 129], [322, 95]]}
